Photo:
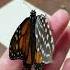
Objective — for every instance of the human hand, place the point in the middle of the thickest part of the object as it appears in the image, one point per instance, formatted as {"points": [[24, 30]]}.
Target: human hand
{"points": [[61, 33]]}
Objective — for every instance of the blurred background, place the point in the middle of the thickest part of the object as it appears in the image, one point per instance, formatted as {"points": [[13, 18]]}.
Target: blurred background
{"points": [[50, 6], [4, 2]]}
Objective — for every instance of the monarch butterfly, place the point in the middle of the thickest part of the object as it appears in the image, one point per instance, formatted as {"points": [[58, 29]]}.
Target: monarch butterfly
{"points": [[32, 42]]}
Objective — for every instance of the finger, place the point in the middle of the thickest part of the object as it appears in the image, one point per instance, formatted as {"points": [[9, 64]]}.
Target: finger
{"points": [[61, 50], [7, 64], [59, 21], [66, 65]]}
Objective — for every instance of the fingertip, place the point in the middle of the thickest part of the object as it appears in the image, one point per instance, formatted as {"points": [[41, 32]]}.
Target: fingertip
{"points": [[59, 21], [8, 64], [62, 11], [66, 65]]}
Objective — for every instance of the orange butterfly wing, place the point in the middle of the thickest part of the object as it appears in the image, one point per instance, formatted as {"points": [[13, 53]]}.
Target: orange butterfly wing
{"points": [[19, 45]]}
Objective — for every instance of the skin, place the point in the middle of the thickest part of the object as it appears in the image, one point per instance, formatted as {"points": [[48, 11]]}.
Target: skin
{"points": [[61, 33]]}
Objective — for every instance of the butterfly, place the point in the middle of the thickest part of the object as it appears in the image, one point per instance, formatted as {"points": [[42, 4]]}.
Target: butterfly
{"points": [[33, 42]]}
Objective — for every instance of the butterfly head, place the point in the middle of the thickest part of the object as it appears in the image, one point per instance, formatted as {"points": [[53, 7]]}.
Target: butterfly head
{"points": [[33, 13]]}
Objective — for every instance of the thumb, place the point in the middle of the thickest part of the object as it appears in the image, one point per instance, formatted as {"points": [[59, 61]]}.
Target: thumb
{"points": [[66, 65], [7, 64]]}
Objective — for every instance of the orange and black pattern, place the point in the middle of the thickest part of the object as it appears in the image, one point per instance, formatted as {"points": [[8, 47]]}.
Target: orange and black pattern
{"points": [[32, 42]]}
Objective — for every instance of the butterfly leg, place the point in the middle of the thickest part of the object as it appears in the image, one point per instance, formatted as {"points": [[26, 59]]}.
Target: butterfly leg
{"points": [[38, 66]]}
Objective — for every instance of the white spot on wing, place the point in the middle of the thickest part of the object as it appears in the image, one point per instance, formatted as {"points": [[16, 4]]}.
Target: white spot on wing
{"points": [[16, 36], [36, 36], [51, 39], [48, 25], [42, 51], [39, 33], [44, 24], [38, 49], [47, 45], [45, 42], [45, 29], [47, 36]]}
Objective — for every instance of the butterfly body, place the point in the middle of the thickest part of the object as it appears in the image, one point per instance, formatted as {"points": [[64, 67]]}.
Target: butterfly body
{"points": [[32, 43]]}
